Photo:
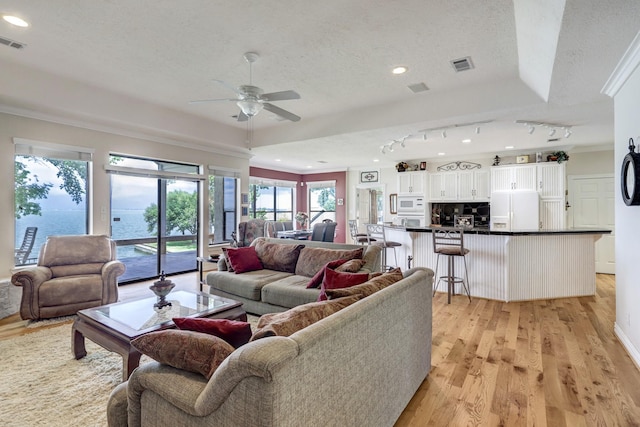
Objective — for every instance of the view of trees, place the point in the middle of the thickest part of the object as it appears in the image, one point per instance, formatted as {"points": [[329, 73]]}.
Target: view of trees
{"points": [[29, 189], [181, 213]]}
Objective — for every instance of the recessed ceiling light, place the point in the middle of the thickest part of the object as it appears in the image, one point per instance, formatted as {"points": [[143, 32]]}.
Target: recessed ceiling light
{"points": [[376, 160], [308, 166], [400, 70], [441, 154], [277, 160], [509, 147], [466, 141], [14, 20]]}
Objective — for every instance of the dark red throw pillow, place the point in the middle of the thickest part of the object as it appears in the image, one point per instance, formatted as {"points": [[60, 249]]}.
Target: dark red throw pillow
{"points": [[316, 280], [338, 280], [234, 332], [244, 259]]}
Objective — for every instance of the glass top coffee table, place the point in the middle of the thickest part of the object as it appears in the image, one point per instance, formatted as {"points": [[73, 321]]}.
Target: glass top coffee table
{"points": [[113, 326]]}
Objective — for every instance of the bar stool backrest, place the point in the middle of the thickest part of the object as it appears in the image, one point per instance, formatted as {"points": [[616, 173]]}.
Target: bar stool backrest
{"points": [[449, 241], [375, 232]]}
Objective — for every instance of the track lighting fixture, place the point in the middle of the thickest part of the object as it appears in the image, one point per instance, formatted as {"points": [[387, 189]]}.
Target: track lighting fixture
{"points": [[531, 129], [553, 127], [477, 130], [552, 132], [444, 133]]}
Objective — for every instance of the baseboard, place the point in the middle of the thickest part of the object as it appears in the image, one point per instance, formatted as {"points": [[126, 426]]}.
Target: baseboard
{"points": [[628, 346]]}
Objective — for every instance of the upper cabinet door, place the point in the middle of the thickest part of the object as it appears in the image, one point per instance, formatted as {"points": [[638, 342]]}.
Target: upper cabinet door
{"points": [[551, 180], [481, 185], [466, 185], [501, 179], [404, 183], [413, 183], [525, 178]]}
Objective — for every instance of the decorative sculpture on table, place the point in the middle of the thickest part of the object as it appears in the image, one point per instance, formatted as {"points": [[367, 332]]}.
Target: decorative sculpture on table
{"points": [[162, 288]]}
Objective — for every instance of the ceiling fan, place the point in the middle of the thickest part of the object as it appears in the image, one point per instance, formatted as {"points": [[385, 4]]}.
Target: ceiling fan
{"points": [[251, 99]]}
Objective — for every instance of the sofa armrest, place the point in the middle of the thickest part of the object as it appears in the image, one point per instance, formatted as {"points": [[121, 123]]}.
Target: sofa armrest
{"points": [[110, 272], [192, 393], [30, 279]]}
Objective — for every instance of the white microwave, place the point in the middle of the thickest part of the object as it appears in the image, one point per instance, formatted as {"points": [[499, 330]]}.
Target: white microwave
{"points": [[413, 221], [411, 205]]}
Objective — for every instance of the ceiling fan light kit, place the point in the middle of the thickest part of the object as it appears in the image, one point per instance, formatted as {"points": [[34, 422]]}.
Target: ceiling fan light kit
{"points": [[251, 99]]}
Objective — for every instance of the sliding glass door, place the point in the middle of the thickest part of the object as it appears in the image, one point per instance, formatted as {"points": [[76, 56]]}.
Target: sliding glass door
{"points": [[155, 224]]}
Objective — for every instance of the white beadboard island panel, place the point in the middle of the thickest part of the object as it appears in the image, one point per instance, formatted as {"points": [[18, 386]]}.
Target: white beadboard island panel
{"points": [[515, 266]]}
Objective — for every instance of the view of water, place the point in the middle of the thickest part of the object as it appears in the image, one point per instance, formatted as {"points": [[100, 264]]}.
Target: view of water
{"points": [[131, 225]]}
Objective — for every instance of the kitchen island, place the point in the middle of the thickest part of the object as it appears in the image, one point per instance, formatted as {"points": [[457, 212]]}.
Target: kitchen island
{"points": [[512, 265]]}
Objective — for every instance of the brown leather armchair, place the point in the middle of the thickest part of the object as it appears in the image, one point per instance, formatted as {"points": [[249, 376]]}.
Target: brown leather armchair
{"points": [[73, 273]]}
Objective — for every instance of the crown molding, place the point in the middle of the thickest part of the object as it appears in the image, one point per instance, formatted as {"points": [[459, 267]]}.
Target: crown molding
{"points": [[625, 68], [175, 139]]}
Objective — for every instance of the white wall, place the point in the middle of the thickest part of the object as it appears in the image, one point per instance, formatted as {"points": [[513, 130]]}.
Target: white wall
{"points": [[624, 86], [103, 143]]}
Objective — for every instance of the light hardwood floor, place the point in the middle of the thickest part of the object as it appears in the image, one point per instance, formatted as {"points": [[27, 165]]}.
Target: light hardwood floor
{"points": [[541, 363]]}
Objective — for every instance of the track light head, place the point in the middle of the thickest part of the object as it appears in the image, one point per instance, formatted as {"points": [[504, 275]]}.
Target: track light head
{"points": [[444, 133], [477, 130], [552, 132], [382, 149], [567, 132], [531, 129], [424, 137]]}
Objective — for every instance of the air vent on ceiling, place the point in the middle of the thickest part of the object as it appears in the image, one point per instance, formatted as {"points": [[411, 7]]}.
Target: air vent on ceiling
{"points": [[553, 140], [462, 64], [418, 87], [11, 43]]}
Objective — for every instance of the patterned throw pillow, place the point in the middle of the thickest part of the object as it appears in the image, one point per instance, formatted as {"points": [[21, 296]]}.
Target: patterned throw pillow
{"points": [[234, 332], [338, 280], [187, 350], [367, 288], [352, 266], [290, 321], [316, 280], [313, 259], [278, 256], [242, 260]]}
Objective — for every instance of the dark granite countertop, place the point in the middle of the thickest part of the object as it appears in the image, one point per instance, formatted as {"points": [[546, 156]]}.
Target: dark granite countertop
{"points": [[486, 231]]}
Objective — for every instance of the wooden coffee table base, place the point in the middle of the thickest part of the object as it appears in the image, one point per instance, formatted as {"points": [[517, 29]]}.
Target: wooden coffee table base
{"points": [[84, 327]]}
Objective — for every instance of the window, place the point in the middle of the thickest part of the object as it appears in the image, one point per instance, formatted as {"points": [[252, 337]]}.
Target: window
{"points": [[51, 185], [271, 200], [322, 201], [223, 192]]}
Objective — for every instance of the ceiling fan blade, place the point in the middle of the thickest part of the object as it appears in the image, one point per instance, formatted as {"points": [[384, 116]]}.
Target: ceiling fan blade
{"points": [[242, 117], [280, 112], [227, 85], [202, 101], [281, 96]]}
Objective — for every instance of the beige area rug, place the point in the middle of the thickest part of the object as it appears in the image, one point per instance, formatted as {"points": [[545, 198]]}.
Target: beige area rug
{"points": [[41, 384]]}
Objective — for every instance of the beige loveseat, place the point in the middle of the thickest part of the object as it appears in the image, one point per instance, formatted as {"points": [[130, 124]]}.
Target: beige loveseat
{"points": [[269, 291], [357, 367], [73, 273]]}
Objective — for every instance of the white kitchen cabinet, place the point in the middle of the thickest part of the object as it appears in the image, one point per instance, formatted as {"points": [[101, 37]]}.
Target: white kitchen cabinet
{"points": [[473, 185], [522, 177], [551, 180], [552, 214], [412, 183], [443, 186]]}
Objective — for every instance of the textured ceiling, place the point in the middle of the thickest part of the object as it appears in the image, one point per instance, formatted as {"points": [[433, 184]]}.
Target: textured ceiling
{"points": [[134, 65]]}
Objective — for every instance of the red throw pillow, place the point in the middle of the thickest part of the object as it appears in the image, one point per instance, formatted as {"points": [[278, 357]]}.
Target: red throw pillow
{"points": [[234, 332], [244, 259], [316, 280], [337, 280]]}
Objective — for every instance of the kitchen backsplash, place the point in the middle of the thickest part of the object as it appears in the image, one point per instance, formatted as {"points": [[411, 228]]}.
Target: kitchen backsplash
{"points": [[444, 213]]}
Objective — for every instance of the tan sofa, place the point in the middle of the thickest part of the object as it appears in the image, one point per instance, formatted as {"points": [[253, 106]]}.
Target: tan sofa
{"points": [[269, 291], [357, 367], [73, 273]]}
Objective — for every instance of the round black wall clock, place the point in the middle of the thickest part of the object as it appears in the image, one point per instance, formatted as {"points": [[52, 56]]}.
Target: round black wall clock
{"points": [[630, 176]]}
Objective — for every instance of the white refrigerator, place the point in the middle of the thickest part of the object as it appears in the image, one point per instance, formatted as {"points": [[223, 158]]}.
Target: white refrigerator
{"points": [[515, 211]]}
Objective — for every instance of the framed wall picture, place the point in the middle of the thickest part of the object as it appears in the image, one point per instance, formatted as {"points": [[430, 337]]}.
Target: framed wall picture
{"points": [[423, 166], [369, 176], [244, 198], [245, 211]]}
